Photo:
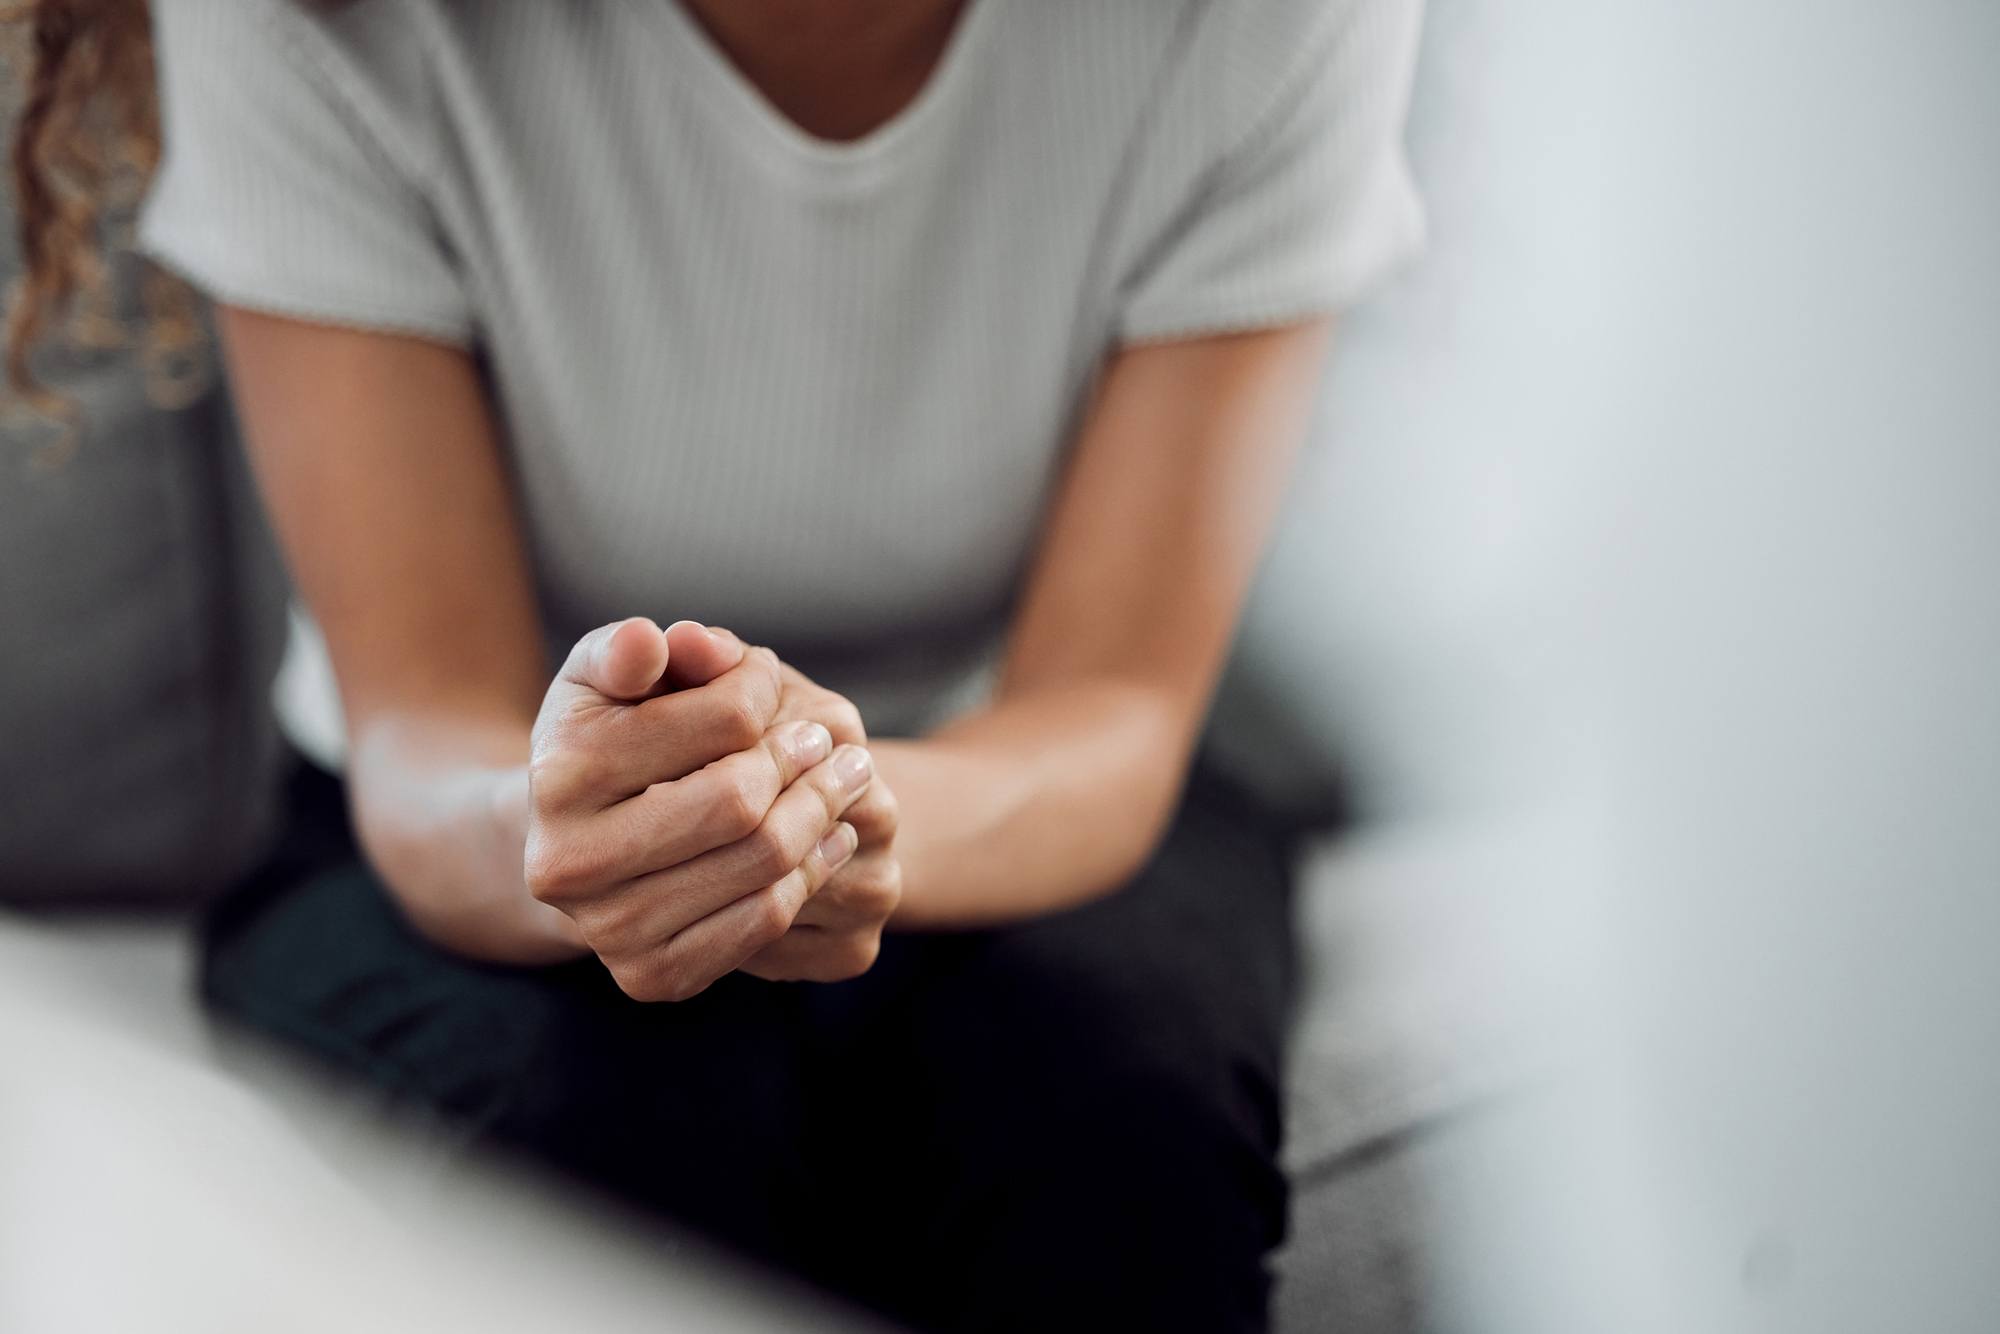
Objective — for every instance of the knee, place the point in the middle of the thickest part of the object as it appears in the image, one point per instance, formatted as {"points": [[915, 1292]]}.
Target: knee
{"points": [[1133, 1197], [327, 965], [1121, 1094], [1167, 1147], [1133, 1043]]}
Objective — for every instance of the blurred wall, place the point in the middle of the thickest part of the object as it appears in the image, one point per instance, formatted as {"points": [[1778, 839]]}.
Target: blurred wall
{"points": [[1664, 503]]}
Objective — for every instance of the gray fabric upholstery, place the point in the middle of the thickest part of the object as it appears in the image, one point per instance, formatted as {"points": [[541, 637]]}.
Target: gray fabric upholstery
{"points": [[1403, 1032], [141, 615], [1355, 1261]]}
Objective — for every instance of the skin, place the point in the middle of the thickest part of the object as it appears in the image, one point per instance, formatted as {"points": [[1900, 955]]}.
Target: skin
{"points": [[836, 68], [683, 804]]}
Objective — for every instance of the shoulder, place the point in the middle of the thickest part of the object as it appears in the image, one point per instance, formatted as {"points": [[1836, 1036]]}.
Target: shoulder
{"points": [[1251, 49], [1214, 69], [366, 42], [307, 68]]}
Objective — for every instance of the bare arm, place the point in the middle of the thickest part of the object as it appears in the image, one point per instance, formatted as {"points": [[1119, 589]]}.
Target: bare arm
{"points": [[670, 801], [1059, 790], [377, 460]]}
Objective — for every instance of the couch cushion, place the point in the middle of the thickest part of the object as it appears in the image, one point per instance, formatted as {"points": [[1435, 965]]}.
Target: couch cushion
{"points": [[140, 614], [1403, 1018], [1405, 1034]]}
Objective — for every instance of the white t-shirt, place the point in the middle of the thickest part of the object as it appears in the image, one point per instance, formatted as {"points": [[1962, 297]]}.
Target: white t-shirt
{"points": [[817, 392]]}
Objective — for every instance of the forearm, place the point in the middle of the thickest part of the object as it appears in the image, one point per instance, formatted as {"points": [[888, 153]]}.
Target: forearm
{"points": [[442, 812], [1061, 789], [1036, 804]]}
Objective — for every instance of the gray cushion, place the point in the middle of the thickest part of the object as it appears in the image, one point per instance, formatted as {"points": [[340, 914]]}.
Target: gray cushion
{"points": [[1404, 1028], [140, 616]]}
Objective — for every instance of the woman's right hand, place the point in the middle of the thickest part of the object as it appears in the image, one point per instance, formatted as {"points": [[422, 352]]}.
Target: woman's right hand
{"points": [[681, 829]]}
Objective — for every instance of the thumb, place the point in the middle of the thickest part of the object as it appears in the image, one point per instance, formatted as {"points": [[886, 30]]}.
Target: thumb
{"points": [[700, 653], [622, 661]]}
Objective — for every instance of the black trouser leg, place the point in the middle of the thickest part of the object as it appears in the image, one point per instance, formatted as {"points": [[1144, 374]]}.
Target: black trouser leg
{"points": [[1071, 1123], [1078, 1118], [689, 1109]]}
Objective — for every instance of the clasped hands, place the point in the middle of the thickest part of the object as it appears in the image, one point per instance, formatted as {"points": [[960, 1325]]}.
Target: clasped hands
{"points": [[697, 807]]}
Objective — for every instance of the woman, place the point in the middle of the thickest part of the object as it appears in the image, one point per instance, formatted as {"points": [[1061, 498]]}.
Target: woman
{"points": [[899, 338]]}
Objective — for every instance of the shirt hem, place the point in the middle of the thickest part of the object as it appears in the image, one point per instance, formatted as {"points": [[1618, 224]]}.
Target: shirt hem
{"points": [[1277, 305], [341, 313]]}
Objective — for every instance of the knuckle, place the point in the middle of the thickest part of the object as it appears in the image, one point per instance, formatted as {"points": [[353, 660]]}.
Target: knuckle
{"points": [[770, 919], [654, 979], [559, 870], [681, 984], [761, 677], [558, 776], [872, 894], [739, 807], [884, 890], [607, 927], [853, 954], [770, 853], [760, 967], [638, 980], [740, 718]]}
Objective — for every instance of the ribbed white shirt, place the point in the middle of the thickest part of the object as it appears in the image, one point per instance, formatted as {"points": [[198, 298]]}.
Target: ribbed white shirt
{"points": [[818, 392]]}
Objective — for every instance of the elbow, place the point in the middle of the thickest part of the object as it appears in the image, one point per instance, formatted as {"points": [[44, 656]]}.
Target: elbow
{"points": [[1122, 857], [1156, 776]]}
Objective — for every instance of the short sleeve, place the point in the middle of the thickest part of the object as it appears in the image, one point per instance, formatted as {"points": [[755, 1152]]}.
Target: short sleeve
{"points": [[276, 191], [1304, 200]]}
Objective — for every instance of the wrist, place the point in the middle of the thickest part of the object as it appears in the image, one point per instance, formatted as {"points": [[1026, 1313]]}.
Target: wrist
{"points": [[449, 845], [948, 801], [1021, 811], [503, 928], [525, 930]]}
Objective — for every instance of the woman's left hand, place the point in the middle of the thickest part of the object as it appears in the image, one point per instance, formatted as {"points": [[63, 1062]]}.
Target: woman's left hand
{"points": [[838, 932]]}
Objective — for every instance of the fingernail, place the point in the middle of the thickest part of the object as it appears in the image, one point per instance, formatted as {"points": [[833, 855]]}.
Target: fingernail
{"points": [[851, 766], [838, 845], [808, 743]]}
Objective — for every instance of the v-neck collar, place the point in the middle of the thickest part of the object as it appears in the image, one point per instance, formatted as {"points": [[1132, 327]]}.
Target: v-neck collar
{"points": [[747, 104]]}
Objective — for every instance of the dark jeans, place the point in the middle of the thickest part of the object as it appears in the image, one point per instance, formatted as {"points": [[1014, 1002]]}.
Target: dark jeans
{"points": [[1071, 1123]]}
